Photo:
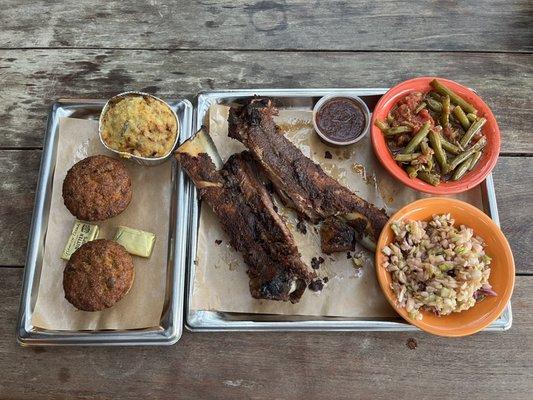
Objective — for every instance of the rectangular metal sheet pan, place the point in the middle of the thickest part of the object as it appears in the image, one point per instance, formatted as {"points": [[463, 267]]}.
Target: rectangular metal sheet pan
{"points": [[170, 327], [219, 321]]}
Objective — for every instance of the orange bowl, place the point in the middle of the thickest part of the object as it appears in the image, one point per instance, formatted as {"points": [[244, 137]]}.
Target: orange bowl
{"points": [[501, 278], [490, 130]]}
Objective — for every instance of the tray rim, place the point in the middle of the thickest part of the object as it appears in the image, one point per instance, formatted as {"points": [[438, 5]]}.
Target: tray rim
{"points": [[28, 335], [202, 102]]}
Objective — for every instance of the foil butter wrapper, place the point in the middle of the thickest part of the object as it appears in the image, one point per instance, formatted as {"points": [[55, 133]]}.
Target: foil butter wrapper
{"points": [[82, 232], [135, 241]]}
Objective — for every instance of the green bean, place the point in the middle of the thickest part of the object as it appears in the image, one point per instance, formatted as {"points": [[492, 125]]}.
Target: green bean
{"points": [[390, 118], [461, 117], [415, 141], [474, 160], [431, 162], [429, 177], [398, 129], [381, 125], [435, 95], [406, 157], [445, 116], [461, 169], [474, 128], [420, 107], [454, 97], [467, 153], [454, 120], [434, 105], [471, 117], [450, 147], [436, 145], [412, 171]]}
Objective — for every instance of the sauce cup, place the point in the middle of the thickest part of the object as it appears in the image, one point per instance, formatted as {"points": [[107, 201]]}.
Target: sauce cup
{"points": [[362, 105]]}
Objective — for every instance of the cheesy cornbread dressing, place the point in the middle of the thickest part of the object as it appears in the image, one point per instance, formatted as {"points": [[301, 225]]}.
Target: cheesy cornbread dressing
{"points": [[139, 125]]}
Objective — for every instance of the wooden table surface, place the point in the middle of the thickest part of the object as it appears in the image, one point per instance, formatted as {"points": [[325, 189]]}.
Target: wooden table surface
{"points": [[72, 49]]}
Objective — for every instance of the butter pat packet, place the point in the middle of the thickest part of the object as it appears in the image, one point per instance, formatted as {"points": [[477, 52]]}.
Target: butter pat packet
{"points": [[135, 241], [82, 232]]}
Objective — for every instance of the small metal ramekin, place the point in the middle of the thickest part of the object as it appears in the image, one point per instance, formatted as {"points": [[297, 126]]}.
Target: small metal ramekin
{"points": [[334, 95], [147, 161]]}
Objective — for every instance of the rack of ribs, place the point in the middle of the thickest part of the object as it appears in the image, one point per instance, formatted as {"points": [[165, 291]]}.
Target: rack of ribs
{"points": [[302, 184], [246, 212]]}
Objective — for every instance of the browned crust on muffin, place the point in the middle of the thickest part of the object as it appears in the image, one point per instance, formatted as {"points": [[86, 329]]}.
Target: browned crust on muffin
{"points": [[97, 188], [98, 275]]}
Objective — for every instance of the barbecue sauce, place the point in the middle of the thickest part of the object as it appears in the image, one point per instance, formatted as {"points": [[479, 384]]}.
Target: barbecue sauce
{"points": [[341, 119]]}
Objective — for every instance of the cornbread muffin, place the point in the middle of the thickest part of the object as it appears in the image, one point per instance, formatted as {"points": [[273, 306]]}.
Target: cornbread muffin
{"points": [[97, 188], [98, 275], [139, 125]]}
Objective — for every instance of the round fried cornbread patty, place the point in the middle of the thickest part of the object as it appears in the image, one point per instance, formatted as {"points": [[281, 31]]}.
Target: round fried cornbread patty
{"points": [[97, 188], [98, 274]]}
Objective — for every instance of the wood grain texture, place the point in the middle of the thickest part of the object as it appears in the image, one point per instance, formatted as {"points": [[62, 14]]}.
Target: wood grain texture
{"points": [[292, 365], [20, 167], [33, 79], [496, 25], [513, 179], [18, 172]]}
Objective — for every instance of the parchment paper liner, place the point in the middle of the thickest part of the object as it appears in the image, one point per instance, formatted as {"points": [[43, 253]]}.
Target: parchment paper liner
{"points": [[148, 210]]}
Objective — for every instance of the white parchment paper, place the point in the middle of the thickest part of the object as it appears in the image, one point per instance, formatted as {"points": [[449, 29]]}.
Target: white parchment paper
{"points": [[220, 280], [149, 210]]}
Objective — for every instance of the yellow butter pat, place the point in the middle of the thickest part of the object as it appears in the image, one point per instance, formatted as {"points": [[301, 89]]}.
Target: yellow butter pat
{"points": [[135, 241], [82, 232]]}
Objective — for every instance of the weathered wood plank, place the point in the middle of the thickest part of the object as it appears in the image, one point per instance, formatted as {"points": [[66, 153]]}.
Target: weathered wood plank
{"points": [[20, 169], [18, 172], [498, 25], [514, 193], [291, 365], [32, 79]]}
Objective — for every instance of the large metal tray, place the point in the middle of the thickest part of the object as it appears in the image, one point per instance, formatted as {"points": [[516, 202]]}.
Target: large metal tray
{"points": [[170, 327], [220, 321]]}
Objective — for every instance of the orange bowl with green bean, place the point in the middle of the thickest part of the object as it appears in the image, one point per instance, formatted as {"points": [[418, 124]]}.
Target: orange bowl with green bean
{"points": [[435, 135]]}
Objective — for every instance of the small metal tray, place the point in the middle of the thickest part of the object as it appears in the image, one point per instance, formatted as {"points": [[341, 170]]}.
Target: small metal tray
{"points": [[221, 321], [170, 327]]}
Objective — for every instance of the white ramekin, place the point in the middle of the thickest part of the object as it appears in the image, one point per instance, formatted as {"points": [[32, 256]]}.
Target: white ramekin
{"points": [[359, 101]]}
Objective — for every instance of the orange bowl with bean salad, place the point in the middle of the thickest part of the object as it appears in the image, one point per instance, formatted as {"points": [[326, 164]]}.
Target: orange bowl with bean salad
{"points": [[445, 266], [435, 135]]}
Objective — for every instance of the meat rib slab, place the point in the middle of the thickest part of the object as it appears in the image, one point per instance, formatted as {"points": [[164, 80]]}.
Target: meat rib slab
{"points": [[246, 212], [301, 184]]}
